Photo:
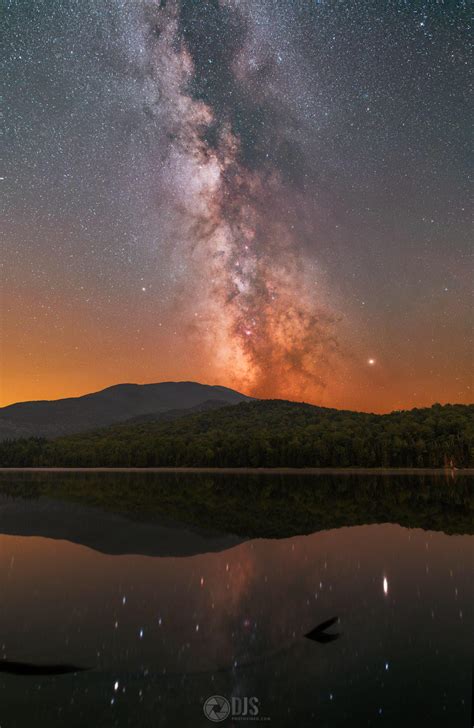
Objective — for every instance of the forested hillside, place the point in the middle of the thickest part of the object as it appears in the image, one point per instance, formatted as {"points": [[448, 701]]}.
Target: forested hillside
{"points": [[266, 433]]}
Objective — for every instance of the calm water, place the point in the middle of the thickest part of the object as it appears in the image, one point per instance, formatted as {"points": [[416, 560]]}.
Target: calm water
{"points": [[166, 615]]}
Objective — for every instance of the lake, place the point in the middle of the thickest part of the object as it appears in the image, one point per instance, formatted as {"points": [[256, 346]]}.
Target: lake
{"points": [[174, 588]]}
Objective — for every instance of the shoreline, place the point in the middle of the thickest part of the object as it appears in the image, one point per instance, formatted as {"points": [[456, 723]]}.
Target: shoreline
{"points": [[250, 470]]}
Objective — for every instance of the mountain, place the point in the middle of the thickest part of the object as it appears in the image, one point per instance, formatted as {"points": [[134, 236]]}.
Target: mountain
{"points": [[168, 415], [265, 434], [109, 406]]}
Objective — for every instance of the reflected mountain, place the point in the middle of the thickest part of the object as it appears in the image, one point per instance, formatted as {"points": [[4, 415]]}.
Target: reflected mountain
{"points": [[138, 512], [162, 632], [104, 531]]}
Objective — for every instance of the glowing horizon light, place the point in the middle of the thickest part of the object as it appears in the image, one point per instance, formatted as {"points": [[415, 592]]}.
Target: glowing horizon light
{"points": [[371, 362], [385, 586]]}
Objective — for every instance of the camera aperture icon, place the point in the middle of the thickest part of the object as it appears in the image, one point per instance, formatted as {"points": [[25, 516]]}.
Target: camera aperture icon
{"points": [[216, 708]]}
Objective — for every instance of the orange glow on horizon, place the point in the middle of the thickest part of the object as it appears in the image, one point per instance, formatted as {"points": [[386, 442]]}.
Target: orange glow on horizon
{"points": [[67, 351]]}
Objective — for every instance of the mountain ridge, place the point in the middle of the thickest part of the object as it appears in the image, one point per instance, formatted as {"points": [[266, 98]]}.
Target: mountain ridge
{"points": [[114, 404]]}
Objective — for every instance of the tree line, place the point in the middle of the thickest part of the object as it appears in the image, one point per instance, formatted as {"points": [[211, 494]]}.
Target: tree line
{"points": [[265, 433]]}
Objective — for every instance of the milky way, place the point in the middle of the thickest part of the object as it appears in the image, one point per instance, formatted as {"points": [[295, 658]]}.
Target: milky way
{"points": [[264, 194], [260, 318]]}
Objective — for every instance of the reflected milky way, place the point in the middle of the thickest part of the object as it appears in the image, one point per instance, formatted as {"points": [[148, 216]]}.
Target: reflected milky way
{"points": [[234, 623]]}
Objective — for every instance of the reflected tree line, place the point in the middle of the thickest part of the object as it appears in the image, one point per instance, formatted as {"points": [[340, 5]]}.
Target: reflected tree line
{"points": [[262, 505]]}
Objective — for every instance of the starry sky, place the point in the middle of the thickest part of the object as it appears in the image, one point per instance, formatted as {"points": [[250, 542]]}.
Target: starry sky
{"points": [[270, 195]]}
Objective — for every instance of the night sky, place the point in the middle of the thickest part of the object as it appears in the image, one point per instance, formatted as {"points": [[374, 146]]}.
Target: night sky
{"points": [[271, 195]]}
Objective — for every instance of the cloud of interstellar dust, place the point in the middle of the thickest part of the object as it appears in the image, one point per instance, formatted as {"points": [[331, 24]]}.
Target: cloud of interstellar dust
{"points": [[251, 295]]}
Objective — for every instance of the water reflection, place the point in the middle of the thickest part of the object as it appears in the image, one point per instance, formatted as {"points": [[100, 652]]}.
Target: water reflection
{"points": [[164, 633], [247, 505]]}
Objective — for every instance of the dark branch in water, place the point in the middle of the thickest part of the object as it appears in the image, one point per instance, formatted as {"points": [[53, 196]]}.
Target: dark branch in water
{"points": [[28, 668], [319, 634]]}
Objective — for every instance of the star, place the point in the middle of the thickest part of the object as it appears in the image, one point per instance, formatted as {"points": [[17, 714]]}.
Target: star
{"points": [[264, 166]]}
